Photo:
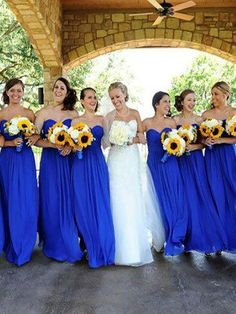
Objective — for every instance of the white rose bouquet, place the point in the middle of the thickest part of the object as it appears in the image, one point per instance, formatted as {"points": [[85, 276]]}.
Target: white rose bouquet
{"points": [[120, 133]]}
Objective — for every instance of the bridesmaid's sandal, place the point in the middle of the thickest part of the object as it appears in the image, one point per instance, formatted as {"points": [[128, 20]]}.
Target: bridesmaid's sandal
{"points": [[207, 255], [187, 253], [218, 253]]}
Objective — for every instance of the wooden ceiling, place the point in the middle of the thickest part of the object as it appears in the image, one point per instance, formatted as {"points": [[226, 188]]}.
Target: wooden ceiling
{"points": [[138, 4]]}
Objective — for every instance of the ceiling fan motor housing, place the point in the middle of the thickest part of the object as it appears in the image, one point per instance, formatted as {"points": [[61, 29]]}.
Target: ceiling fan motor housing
{"points": [[167, 9]]}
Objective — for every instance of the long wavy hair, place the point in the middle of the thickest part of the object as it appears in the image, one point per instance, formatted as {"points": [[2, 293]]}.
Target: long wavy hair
{"points": [[71, 97], [9, 85]]}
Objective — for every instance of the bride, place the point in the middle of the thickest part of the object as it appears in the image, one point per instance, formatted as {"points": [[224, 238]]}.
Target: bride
{"points": [[127, 200]]}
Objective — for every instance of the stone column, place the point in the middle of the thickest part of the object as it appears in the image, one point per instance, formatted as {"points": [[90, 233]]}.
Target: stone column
{"points": [[50, 75]]}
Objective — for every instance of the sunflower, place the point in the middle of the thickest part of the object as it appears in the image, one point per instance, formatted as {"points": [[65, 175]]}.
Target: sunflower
{"points": [[70, 141], [163, 137], [186, 126], [173, 146], [217, 132], [204, 130], [232, 129], [79, 126], [185, 137], [61, 138], [24, 125], [85, 139]]}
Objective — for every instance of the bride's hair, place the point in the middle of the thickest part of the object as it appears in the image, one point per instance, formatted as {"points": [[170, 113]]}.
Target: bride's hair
{"points": [[121, 86]]}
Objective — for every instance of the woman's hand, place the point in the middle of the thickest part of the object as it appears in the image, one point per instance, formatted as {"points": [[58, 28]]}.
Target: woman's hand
{"points": [[31, 140], [141, 138], [17, 141], [209, 141], [65, 150], [190, 147]]}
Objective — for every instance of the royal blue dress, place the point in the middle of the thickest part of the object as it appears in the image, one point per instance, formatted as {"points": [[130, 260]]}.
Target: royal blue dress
{"points": [[91, 199], [170, 192], [19, 195], [205, 230], [221, 172], [2, 235], [57, 226]]}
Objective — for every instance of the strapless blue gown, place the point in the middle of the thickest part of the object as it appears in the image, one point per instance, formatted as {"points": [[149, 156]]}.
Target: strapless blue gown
{"points": [[169, 188], [2, 236], [205, 230], [221, 173], [19, 195], [57, 226], [91, 200]]}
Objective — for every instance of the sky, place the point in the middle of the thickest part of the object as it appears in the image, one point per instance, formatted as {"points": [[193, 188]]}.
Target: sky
{"points": [[153, 70]]}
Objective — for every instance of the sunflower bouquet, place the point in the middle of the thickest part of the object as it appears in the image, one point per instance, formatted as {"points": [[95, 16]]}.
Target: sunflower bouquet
{"points": [[58, 134], [231, 125], [81, 135], [173, 144], [20, 126], [120, 133], [211, 128], [188, 133]]}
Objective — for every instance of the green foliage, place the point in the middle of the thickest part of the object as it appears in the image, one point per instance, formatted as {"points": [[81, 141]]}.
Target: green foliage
{"points": [[17, 57], [99, 73], [203, 74]]}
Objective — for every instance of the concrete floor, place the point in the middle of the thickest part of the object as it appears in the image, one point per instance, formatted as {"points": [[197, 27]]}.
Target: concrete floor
{"points": [[184, 284]]}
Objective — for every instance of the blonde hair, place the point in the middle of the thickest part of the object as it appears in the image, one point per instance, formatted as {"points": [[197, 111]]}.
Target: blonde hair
{"points": [[223, 87], [121, 86]]}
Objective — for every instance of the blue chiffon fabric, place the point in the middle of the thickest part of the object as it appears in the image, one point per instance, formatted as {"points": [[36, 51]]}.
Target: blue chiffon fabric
{"points": [[19, 198], [57, 226], [221, 172], [2, 236], [205, 230], [91, 200], [170, 192]]}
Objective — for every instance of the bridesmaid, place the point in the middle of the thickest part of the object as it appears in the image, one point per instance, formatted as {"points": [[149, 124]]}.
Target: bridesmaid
{"points": [[2, 236], [205, 231], [18, 181], [221, 163], [166, 176], [57, 227], [90, 185]]}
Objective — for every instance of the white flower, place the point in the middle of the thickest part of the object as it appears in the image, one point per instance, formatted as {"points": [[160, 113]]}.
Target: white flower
{"points": [[52, 138], [120, 133], [74, 134], [13, 129]]}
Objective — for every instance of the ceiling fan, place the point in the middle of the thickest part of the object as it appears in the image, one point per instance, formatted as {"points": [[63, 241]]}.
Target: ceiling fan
{"points": [[167, 9]]}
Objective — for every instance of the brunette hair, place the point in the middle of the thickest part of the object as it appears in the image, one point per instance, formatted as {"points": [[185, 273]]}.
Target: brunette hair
{"points": [[9, 84], [122, 87], [179, 99], [83, 93], [157, 97], [71, 97]]}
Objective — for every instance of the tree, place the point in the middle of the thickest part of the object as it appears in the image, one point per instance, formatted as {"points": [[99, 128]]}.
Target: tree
{"points": [[203, 74], [100, 72], [17, 56]]}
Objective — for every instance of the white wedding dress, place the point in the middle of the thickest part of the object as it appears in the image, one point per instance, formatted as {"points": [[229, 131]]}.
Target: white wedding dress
{"points": [[133, 245]]}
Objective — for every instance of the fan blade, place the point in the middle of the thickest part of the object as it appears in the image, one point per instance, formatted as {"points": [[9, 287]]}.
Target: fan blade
{"points": [[182, 16], [183, 6], [158, 20], [155, 4], [136, 14]]}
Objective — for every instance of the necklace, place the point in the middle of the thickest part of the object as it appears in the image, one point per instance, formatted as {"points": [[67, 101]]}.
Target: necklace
{"points": [[124, 114]]}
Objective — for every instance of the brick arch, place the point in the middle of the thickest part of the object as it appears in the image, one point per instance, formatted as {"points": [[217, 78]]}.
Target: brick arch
{"points": [[195, 41], [42, 23], [87, 35]]}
